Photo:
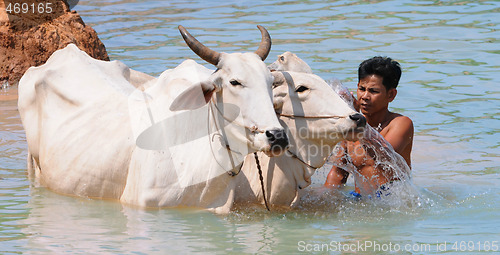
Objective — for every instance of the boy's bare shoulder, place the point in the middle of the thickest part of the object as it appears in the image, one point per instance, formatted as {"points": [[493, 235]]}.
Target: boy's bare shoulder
{"points": [[397, 118], [400, 122]]}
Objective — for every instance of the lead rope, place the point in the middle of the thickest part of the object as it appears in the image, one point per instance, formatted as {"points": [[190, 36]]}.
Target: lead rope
{"points": [[292, 116], [261, 180], [299, 159]]}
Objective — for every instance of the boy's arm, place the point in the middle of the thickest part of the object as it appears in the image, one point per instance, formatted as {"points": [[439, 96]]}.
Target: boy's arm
{"points": [[337, 176]]}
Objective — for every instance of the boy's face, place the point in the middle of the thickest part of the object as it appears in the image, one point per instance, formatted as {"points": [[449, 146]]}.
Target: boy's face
{"points": [[372, 95]]}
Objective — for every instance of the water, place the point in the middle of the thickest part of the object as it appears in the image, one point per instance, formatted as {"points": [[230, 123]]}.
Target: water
{"points": [[450, 59]]}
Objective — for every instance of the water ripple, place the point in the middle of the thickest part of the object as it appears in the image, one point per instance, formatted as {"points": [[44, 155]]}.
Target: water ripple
{"points": [[450, 58]]}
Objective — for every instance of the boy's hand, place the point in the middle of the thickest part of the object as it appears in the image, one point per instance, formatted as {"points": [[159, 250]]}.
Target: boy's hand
{"points": [[355, 102]]}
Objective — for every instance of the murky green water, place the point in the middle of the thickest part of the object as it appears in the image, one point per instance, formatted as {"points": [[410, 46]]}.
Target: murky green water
{"points": [[449, 51]]}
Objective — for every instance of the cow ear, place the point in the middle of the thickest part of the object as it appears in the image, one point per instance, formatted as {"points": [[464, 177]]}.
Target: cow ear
{"points": [[279, 78], [194, 97], [278, 92]]}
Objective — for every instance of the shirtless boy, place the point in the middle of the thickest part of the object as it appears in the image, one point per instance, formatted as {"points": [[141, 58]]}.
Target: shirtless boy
{"points": [[378, 78]]}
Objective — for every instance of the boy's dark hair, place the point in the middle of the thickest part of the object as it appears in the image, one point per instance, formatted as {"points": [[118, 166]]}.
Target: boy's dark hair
{"points": [[385, 67]]}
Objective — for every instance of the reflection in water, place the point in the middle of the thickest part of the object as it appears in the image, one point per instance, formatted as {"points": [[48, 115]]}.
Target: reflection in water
{"points": [[60, 224]]}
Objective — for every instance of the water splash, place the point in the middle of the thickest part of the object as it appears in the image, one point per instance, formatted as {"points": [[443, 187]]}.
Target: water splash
{"points": [[398, 195]]}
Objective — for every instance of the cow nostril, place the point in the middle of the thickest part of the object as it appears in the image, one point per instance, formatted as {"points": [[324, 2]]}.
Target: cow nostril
{"points": [[278, 139], [270, 136], [355, 116]]}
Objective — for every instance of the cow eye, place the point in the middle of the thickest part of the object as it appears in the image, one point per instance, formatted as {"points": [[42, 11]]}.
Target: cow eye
{"points": [[235, 83], [282, 58], [301, 89]]}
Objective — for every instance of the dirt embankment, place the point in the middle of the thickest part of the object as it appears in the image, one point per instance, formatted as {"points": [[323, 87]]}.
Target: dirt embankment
{"points": [[31, 30]]}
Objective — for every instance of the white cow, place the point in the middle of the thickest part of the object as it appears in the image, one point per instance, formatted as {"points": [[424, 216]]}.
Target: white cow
{"points": [[316, 119], [92, 133], [288, 61]]}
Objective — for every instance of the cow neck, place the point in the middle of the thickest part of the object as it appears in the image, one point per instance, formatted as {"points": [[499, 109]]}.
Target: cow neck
{"points": [[236, 169], [304, 157], [293, 155]]}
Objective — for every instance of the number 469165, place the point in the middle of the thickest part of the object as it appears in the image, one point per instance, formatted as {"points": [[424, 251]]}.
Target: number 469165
{"points": [[475, 246], [24, 8]]}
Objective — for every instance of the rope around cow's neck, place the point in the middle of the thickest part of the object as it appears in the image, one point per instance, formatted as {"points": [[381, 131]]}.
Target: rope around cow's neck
{"points": [[302, 161], [261, 177], [254, 129], [218, 130], [230, 156], [292, 116], [261, 180]]}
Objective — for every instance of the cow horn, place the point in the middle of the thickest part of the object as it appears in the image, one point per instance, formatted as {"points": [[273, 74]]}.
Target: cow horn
{"points": [[265, 43], [201, 50]]}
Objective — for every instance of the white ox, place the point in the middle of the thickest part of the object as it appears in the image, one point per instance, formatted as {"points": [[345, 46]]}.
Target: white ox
{"points": [[92, 133], [288, 61], [316, 119]]}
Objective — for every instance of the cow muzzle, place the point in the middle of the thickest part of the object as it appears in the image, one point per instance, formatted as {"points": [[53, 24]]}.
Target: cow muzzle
{"points": [[359, 119], [278, 141], [357, 130]]}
